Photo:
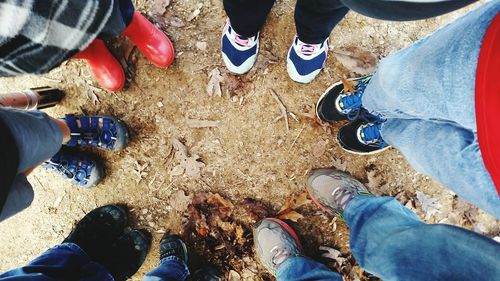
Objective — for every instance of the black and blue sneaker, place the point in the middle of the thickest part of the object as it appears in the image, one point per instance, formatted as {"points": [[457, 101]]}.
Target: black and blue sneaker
{"points": [[305, 61], [76, 167], [105, 132], [238, 52], [362, 137], [337, 104], [173, 246]]}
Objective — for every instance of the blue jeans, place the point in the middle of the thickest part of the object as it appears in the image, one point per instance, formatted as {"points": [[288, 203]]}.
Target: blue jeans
{"points": [[391, 242], [170, 269], [60, 263], [426, 93], [37, 138]]}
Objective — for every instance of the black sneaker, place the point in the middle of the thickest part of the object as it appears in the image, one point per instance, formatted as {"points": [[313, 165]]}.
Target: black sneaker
{"points": [[336, 104], [98, 230], [128, 254], [362, 137], [207, 273], [172, 245]]}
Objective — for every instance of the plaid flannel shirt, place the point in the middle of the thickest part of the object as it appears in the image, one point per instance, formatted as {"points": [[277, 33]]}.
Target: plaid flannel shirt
{"points": [[38, 35]]}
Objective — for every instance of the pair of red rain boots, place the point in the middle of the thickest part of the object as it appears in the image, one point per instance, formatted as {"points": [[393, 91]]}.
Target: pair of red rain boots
{"points": [[148, 39]]}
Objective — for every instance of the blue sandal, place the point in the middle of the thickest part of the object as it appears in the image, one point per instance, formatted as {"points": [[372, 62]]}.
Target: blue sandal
{"points": [[99, 131], [76, 167]]}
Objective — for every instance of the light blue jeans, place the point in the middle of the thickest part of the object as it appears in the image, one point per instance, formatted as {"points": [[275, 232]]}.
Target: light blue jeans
{"points": [[170, 269], [391, 242], [426, 93]]}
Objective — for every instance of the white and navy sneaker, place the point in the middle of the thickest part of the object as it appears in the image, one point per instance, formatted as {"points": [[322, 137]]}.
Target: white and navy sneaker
{"points": [[305, 61], [238, 52]]}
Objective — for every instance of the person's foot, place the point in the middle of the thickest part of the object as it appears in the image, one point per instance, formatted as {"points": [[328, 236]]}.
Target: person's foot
{"points": [[106, 69], [173, 246], [128, 254], [76, 167], [305, 61], [98, 230], [362, 137], [336, 104], [275, 242], [152, 42], [207, 273], [105, 132], [238, 52], [332, 190]]}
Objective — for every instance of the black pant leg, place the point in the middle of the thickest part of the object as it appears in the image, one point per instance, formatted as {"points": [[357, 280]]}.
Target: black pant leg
{"points": [[121, 16], [247, 16], [315, 19]]}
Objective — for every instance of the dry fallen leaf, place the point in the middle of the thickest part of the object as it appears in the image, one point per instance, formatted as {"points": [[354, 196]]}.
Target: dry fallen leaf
{"points": [[195, 13], [319, 148], [193, 123], [179, 200], [295, 201], [193, 166], [333, 254], [256, 210], [159, 7], [291, 215], [349, 85], [356, 59], [190, 165], [430, 206], [214, 83]]}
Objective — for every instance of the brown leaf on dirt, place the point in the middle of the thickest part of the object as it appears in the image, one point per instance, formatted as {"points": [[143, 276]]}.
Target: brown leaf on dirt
{"points": [[225, 207], [349, 85], [256, 210], [356, 59], [240, 239], [189, 165], [295, 201], [319, 148], [291, 215], [159, 7], [214, 83], [309, 111], [179, 200]]}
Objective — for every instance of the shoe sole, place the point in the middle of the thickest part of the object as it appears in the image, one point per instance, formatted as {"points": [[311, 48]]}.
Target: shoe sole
{"points": [[359, 152], [288, 229]]}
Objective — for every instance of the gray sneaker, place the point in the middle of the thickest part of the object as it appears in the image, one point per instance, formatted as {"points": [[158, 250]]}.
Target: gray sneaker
{"points": [[275, 242], [332, 190]]}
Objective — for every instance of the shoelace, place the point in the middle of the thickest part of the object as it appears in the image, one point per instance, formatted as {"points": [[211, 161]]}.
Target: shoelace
{"points": [[242, 41], [280, 255], [371, 134], [352, 102], [342, 196], [307, 49]]}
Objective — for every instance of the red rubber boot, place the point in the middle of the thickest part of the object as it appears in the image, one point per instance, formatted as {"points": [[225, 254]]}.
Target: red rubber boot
{"points": [[150, 41], [106, 69]]}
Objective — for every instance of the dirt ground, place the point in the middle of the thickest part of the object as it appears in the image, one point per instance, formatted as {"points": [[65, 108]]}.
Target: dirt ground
{"points": [[250, 154]]}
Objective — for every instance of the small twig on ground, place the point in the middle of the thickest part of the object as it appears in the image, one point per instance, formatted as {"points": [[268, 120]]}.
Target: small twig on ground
{"points": [[282, 108], [297, 137], [53, 80]]}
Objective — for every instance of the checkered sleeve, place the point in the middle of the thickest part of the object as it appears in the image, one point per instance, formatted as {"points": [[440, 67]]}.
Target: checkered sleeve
{"points": [[38, 35]]}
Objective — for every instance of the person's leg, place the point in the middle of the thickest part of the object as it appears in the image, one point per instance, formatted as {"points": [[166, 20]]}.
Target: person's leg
{"points": [[66, 261], [247, 16], [447, 153], [19, 198], [173, 261], [315, 19], [121, 16], [390, 241], [279, 249], [435, 77], [302, 269]]}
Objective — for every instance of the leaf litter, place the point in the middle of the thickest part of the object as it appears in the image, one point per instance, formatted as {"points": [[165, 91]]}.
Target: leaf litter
{"points": [[190, 165]]}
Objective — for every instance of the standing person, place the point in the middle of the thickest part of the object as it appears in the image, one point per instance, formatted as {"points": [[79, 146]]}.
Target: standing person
{"points": [[29, 138], [438, 103], [37, 36], [387, 239], [314, 20], [102, 248]]}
